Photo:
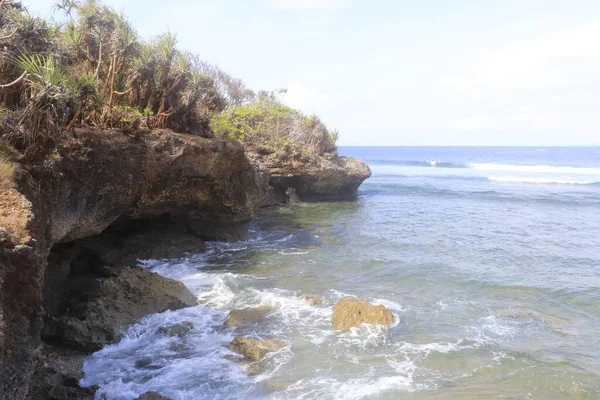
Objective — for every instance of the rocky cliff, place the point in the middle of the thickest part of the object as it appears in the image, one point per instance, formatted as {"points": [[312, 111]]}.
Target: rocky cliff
{"points": [[98, 187], [322, 178]]}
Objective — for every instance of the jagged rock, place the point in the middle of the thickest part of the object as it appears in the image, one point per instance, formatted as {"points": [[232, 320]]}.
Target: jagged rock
{"points": [[252, 349], [98, 179], [312, 300], [117, 303], [57, 376], [323, 178], [152, 396], [176, 329], [247, 316], [351, 312]]}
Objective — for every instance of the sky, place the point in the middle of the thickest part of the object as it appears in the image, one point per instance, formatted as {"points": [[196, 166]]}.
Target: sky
{"points": [[405, 72]]}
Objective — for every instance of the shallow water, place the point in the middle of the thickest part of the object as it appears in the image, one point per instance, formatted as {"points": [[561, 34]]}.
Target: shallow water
{"points": [[488, 257]]}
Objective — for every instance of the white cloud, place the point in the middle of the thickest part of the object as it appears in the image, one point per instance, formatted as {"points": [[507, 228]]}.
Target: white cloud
{"points": [[305, 4], [549, 60], [305, 98]]}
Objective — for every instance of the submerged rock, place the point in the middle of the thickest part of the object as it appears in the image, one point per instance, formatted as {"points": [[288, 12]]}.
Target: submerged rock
{"points": [[558, 325], [176, 329], [152, 396], [350, 312], [143, 362], [312, 299], [253, 349], [247, 316], [117, 303]]}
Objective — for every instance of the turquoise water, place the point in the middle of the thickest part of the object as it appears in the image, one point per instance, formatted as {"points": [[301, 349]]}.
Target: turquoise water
{"points": [[488, 257]]}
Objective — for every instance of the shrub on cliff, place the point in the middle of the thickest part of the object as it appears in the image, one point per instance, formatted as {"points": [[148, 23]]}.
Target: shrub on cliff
{"points": [[92, 69], [266, 122]]}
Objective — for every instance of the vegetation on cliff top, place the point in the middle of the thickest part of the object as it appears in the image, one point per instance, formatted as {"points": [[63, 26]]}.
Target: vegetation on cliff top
{"points": [[92, 69]]}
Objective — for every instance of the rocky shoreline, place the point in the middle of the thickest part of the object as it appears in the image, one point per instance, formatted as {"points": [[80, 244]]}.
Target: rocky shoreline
{"points": [[74, 226]]}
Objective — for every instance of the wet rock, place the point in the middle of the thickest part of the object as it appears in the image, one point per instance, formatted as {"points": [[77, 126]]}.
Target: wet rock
{"points": [[312, 299], [97, 179], [117, 303], [351, 312], [176, 329], [152, 396], [291, 197], [324, 178], [252, 368], [279, 385], [247, 316], [57, 376], [143, 362], [177, 347], [253, 349], [558, 325]]}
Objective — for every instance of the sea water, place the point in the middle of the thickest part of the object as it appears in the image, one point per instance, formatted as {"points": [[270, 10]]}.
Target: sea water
{"points": [[488, 257]]}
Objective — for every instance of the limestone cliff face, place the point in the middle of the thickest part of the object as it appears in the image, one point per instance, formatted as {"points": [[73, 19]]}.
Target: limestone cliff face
{"points": [[104, 183], [99, 179], [323, 178]]}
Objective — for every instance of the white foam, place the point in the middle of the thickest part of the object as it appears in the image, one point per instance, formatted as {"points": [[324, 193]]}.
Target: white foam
{"points": [[399, 379], [536, 168], [539, 180], [177, 363]]}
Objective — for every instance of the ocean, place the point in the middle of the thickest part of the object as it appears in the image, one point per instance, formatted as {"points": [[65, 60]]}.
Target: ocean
{"points": [[488, 257]]}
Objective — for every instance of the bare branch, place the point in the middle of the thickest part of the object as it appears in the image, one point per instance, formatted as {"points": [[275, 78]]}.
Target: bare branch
{"points": [[15, 82], [9, 36]]}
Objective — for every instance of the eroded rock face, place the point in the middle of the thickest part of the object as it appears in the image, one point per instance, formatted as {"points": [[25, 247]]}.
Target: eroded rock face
{"points": [[57, 376], [247, 316], [99, 179], [124, 247], [351, 312], [327, 178], [106, 176], [115, 304], [209, 189], [253, 349]]}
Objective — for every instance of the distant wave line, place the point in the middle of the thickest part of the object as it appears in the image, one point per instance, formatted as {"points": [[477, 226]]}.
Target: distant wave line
{"points": [[506, 179], [512, 179], [494, 167]]}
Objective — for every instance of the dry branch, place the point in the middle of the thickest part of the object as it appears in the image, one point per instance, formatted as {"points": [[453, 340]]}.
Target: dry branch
{"points": [[15, 82]]}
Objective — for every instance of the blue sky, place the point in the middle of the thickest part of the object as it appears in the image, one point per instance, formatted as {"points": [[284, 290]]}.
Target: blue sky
{"points": [[428, 72]]}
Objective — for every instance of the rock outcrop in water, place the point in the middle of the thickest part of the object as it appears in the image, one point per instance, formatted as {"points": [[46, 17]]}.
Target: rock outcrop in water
{"points": [[117, 302], [152, 396], [247, 316], [254, 349], [351, 312], [104, 199], [325, 178], [177, 329]]}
